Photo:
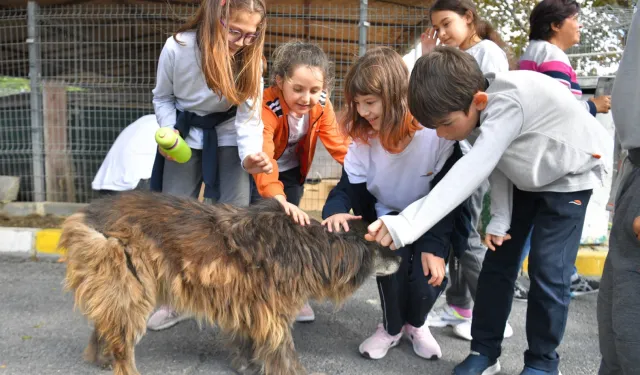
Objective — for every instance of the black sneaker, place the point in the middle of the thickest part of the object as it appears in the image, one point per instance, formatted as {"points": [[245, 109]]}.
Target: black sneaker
{"points": [[521, 292], [582, 286]]}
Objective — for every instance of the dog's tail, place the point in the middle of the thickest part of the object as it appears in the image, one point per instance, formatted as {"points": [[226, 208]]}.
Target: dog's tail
{"points": [[108, 290]]}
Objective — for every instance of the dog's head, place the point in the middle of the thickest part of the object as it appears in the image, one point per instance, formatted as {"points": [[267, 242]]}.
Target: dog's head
{"points": [[386, 261]]}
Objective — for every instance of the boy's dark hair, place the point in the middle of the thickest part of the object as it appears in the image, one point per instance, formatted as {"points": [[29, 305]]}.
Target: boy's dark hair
{"points": [[547, 13], [442, 82]]}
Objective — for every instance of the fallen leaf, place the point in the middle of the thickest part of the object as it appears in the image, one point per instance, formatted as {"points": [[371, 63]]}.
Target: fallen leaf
{"points": [[26, 337], [38, 325]]}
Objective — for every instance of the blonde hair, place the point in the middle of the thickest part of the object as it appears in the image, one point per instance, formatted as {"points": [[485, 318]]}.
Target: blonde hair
{"points": [[237, 78]]}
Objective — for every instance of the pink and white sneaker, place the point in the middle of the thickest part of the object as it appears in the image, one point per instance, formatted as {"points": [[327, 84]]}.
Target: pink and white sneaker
{"points": [[378, 344], [165, 317], [424, 344], [306, 314]]}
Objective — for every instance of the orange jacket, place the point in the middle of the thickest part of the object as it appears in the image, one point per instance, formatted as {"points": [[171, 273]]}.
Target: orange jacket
{"points": [[322, 123]]}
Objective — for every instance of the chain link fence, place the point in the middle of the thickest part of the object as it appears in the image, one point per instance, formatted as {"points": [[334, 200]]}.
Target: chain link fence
{"points": [[93, 68]]}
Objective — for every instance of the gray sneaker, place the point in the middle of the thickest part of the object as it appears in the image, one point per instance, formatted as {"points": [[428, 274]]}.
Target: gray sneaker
{"points": [[581, 286], [521, 292]]}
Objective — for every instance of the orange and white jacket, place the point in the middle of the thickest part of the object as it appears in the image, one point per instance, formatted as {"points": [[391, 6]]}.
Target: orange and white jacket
{"points": [[322, 123]]}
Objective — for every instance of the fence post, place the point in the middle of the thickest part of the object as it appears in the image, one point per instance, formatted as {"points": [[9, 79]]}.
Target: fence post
{"points": [[364, 26], [33, 40]]}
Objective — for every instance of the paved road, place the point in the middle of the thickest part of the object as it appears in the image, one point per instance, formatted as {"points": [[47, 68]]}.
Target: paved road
{"points": [[40, 334]]}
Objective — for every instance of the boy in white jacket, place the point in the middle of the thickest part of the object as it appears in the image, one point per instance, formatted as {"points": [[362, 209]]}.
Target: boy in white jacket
{"points": [[543, 155]]}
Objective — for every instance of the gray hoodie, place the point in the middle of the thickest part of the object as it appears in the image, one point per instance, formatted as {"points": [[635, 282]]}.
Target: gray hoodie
{"points": [[535, 135], [625, 99]]}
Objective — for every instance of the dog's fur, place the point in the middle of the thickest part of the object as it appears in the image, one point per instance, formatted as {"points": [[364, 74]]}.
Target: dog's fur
{"points": [[248, 270]]}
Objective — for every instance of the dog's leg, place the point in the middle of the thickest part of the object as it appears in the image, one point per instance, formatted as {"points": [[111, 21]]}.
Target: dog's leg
{"points": [[241, 348], [124, 358], [96, 351], [280, 357]]}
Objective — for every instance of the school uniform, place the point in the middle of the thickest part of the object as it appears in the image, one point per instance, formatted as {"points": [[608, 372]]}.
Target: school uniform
{"points": [[465, 270], [220, 135], [290, 141], [382, 183], [542, 164]]}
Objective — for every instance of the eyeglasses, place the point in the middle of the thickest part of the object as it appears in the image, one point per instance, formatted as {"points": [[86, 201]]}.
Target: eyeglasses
{"points": [[236, 35]]}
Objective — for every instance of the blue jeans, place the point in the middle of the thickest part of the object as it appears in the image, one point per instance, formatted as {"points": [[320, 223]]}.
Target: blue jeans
{"points": [[554, 245], [527, 247]]}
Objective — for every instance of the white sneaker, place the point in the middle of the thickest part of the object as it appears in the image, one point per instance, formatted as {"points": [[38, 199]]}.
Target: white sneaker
{"points": [[306, 314], [463, 331], [445, 316], [165, 317]]}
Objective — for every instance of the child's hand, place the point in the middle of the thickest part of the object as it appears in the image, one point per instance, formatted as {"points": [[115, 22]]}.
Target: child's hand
{"points": [[433, 265], [294, 211], [603, 103], [258, 163], [378, 232], [491, 240], [428, 40], [164, 154], [636, 227], [334, 221]]}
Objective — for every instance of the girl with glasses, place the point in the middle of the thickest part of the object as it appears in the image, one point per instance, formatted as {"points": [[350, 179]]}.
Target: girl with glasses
{"points": [[208, 88]]}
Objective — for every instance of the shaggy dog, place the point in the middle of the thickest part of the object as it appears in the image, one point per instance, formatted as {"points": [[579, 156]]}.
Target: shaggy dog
{"points": [[248, 270]]}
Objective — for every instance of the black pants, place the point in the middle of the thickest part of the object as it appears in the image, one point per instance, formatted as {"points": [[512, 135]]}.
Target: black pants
{"points": [[406, 296], [557, 220], [293, 189]]}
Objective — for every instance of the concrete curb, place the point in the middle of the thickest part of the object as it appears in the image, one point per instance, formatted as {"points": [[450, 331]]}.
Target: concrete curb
{"points": [[34, 242], [30, 241]]}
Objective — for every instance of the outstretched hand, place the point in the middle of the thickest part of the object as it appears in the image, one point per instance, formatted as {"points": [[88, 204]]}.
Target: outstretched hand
{"points": [[258, 163], [334, 222], [379, 233]]}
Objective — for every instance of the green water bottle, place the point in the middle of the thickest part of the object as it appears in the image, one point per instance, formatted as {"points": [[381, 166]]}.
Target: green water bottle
{"points": [[173, 145]]}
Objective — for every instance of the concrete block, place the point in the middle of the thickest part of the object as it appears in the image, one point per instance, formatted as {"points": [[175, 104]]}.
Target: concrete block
{"points": [[9, 187], [17, 240], [62, 209], [21, 208]]}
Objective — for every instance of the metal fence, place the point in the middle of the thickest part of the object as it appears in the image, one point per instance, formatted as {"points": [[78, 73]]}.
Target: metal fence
{"points": [[92, 69]]}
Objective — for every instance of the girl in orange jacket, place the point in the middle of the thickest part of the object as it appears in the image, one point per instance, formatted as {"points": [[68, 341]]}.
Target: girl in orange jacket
{"points": [[296, 112]]}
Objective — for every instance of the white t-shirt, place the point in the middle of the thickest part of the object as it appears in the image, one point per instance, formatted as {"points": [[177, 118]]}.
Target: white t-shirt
{"points": [[130, 158], [490, 57], [298, 128], [397, 180]]}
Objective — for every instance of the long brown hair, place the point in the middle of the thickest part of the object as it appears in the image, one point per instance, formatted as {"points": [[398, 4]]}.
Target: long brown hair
{"points": [[483, 29], [380, 72], [237, 78]]}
